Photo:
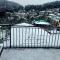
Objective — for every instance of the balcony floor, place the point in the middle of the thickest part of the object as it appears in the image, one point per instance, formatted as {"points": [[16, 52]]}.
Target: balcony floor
{"points": [[30, 54]]}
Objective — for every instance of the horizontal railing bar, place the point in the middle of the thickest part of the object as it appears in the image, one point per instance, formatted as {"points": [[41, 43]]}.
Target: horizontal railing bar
{"points": [[5, 25], [25, 26], [17, 26], [32, 47]]}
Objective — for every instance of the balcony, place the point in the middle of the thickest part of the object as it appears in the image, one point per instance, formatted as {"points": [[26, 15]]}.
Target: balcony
{"points": [[18, 36]]}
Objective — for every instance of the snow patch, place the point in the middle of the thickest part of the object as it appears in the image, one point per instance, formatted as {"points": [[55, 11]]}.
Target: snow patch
{"points": [[24, 24]]}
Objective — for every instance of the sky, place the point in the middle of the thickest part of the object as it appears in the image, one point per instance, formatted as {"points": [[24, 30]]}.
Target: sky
{"points": [[32, 2]]}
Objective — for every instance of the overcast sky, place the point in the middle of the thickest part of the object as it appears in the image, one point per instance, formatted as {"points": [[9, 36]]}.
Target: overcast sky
{"points": [[35, 2]]}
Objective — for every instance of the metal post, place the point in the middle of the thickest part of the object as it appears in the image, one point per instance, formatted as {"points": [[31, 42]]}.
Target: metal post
{"points": [[10, 36]]}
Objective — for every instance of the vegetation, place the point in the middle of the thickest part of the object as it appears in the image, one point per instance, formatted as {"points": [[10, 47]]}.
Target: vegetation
{"points": [[12, 7], [45, 6], [9, 6]]}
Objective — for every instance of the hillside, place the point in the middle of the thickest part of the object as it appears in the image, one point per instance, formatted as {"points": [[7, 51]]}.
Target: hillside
{"points": [[51, 5], [9, 6], [12, 6]]}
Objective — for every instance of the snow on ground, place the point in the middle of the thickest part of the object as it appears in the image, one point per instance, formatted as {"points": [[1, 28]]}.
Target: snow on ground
{"points": [[32, 37], [42, 23], [24, 24]]}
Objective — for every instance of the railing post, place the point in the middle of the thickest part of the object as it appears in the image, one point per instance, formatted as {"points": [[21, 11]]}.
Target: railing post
{"points": [[10, 36]]}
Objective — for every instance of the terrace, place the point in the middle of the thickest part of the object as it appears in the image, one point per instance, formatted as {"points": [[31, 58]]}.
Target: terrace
{"points": [[28, 42], [30, 54], [26, 39]]}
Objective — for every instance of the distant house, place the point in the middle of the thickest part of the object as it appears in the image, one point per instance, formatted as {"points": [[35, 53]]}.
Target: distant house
{"points": [[41, 12], [53, 19], [58, 14]]}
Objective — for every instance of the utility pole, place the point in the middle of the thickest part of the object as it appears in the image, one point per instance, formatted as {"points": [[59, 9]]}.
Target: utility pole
{"points": [[4, 3]]}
